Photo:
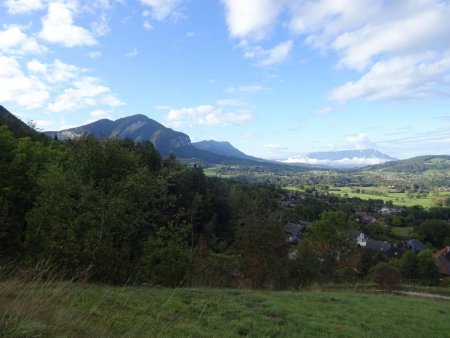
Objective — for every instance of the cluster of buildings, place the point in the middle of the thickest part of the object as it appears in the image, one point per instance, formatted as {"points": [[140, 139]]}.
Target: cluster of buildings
{"points": [[295, 232]]}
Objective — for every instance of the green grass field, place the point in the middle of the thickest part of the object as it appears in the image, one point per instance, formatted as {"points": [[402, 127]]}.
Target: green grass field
{"points": [[396, 197], [404, 232], [84, 310]]}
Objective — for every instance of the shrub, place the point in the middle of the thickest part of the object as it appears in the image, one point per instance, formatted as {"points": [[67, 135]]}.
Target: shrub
{"points": [[386, 275]]}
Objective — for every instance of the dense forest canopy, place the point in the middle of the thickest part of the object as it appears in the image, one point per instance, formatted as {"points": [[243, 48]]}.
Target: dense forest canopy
{"points": [[117, 211]]}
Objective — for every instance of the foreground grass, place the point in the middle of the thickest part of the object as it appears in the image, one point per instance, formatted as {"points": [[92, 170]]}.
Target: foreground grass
{"points": [[57, 309]]}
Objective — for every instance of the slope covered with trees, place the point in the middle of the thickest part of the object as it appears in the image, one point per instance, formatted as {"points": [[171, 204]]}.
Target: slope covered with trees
{"points": [[116, 211]]}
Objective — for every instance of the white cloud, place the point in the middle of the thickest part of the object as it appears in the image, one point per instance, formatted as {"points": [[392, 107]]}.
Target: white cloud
{"points": [[111, 101], [372, 37], [15, 42], [231, 103], [15, 86], [98, 115], [398, 78], [360, 141], [58, 27], [85, 92], [23, 6], [101, 26], [132, 53], [403, 35], [55, 72], [147, 25], [323, 111], [252, 88], [207, 115], [345, 162], [95, 55], [43, 124], [162, 9], [267, 57], [251, 18], [322, 20]]}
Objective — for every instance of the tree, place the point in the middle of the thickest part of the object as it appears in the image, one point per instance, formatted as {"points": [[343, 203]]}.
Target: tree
{"points": [[409, 266], [166, 256], [434, 231], [386, 275], [427, 269], [331, 233]]}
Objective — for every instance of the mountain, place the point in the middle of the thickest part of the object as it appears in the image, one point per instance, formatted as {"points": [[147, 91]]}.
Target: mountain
{"points": [[416, 165], [222, 148], [18, 127], [343, 158], [141, 128], [137, 128]]}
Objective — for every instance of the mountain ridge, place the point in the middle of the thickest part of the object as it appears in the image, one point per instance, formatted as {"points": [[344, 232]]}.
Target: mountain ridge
{"points": [[223, 148], [136, 127]]}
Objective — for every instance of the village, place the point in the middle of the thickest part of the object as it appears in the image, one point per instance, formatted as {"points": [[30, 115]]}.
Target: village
{"points": [[391, 247]]}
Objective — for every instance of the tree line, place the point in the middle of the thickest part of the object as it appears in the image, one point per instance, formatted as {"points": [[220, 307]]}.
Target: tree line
{"points": [[115, 211]]}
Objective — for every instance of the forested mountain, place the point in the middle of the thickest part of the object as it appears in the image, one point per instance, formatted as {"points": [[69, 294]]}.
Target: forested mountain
{"points": [[419, 164], [18, 127]]}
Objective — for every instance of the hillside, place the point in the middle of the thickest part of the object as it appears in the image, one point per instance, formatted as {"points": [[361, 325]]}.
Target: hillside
{"points": [[222, 148], [415, 165], [74, 310], [18, 127]]}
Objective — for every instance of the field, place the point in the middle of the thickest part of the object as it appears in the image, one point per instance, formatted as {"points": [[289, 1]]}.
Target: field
{"points": [[383, 193], [404, 232], [57, 309]]}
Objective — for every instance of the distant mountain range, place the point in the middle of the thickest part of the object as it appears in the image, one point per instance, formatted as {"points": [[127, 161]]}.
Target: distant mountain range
{"points": [[343, 158], [141, 128]]}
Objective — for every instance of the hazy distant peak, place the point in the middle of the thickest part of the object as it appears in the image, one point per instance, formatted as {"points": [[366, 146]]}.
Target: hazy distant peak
{"points": [[222, 148]]}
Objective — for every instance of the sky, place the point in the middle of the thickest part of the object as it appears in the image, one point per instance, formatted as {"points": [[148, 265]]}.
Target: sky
{"points": [[275, 78]]}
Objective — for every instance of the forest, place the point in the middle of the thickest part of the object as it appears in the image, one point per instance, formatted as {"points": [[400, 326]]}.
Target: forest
{"points": [[114, 211]]}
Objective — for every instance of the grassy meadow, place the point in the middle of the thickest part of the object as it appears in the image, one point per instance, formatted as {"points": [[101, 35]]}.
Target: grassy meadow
{"points": [[404, 232], [65, 309], [383, 193]]}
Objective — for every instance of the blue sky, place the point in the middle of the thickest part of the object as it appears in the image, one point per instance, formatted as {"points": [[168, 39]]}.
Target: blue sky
{"points": [[276, 78]]}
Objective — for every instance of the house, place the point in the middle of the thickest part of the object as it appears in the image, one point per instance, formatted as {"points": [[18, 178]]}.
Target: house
{"points": [[442, 258], [364, 217], [413, 245], [294, 231], [367, 219], [381, 246], [384, 247], [361, 239], [387, 211]]}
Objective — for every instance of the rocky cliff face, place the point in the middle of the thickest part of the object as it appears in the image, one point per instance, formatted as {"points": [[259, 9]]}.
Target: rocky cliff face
{"points": [[137, 128]]}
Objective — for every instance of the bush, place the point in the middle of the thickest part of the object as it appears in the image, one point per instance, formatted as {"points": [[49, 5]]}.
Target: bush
{"points": [[386, 275]]}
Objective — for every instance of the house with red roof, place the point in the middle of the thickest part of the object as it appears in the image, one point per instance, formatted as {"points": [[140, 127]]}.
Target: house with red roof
{"points": [[443, 261]]}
